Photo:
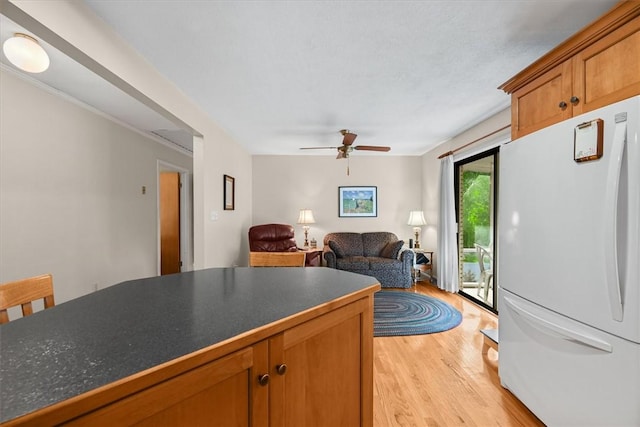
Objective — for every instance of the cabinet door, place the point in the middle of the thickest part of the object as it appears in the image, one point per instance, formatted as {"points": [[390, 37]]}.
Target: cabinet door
{"points": [[329, 376], [609, 70], [224, 392], [538, 104]]}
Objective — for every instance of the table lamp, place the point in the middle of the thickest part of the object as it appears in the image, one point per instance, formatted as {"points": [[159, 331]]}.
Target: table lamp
{"points": [[416, 219], [305, 218]]}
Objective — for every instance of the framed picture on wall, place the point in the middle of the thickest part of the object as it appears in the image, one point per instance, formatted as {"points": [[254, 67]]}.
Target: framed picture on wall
{"points": [[229, 193], [357, 201]]}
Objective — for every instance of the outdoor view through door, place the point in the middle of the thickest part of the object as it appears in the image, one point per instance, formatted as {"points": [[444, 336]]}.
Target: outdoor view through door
{"points": [[476, 182]]}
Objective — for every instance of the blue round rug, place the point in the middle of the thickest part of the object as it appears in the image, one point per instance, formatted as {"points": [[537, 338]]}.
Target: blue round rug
{"points": [[407, 313]]}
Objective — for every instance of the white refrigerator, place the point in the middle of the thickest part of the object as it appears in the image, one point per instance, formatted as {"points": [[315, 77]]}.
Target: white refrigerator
{"points": [[569, 269]]}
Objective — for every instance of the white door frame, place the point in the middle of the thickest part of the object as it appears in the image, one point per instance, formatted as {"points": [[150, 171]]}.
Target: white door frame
{"points": [[186, 207]]}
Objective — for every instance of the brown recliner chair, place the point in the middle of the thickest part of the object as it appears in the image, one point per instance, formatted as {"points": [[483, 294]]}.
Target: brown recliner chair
{"points": [[272, 238], [279, 238]]}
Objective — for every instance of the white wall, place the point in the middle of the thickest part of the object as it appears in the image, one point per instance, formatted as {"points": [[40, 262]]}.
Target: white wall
{"points": [[431, 170], [70, 193], [282, 185], [74, 29], [273, 190]]}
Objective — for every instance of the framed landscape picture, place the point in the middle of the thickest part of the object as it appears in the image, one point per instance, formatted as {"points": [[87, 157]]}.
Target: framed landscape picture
{"points": [[357, 201]]}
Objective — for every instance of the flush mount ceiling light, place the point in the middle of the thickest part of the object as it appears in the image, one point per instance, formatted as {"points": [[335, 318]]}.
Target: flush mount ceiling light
{"points": [[25, 52]]}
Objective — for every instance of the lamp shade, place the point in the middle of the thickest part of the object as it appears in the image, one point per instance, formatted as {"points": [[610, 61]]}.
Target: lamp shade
{"points": [[25, 52], [306, 217], [416, 218]]}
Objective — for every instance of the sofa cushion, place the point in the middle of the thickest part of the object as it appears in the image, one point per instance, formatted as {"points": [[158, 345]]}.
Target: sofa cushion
{"points": [[352, 263], [335, 247], [384, 264], [350, 243], [374, 242], [391, 249]]}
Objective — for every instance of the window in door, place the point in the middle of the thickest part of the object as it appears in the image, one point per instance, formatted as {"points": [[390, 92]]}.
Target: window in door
{"points": [[476, 183]]}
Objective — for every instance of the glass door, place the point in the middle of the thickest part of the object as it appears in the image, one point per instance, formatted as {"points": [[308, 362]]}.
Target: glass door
{"points": [[476, 182]]}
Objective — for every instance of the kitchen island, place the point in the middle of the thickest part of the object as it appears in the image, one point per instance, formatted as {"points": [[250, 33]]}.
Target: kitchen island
{"points": [[225, 346]]}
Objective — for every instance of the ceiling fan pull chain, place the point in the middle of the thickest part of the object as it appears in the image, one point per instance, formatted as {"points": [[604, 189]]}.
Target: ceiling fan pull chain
{"points": [[347, 166]]}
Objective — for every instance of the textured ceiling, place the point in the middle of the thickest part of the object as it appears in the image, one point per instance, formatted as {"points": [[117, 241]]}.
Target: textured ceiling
{"points": [[280, 75]]}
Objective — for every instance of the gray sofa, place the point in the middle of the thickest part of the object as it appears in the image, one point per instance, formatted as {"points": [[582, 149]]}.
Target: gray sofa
{"points": [[377, 254]]}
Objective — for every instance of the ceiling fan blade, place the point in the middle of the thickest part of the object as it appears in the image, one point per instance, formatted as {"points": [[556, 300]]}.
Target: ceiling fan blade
{"points": [[348, 138], [317, 148], [372, 148]]}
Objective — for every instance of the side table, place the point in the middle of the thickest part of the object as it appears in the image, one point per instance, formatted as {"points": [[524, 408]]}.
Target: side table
{"points": [[313, 256], [423, 268]]}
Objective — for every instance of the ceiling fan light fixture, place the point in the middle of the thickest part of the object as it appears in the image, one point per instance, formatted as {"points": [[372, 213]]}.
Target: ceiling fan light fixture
{"points": [[25, 52]]}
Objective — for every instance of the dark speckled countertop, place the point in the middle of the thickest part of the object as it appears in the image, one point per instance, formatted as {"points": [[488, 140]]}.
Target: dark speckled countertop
{"points": [[127, 328]]}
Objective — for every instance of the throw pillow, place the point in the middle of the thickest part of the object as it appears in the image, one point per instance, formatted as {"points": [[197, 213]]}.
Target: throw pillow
{"points": [[392, 249], [336, 248]]}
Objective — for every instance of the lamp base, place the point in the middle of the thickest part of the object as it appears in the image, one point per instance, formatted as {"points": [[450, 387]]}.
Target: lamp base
{"points": [[306, 236], [417, 242]]}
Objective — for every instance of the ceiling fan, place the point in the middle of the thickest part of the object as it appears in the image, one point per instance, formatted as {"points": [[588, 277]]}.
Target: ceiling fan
{"points": [[347, 146]]}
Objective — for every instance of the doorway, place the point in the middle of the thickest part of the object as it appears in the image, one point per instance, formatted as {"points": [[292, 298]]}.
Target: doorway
{"points": [[170, 262], [476, 185], [174, 227]]}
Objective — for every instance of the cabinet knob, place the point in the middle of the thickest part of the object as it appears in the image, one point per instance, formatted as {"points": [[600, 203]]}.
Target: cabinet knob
{"points": [[281, 369], [574, 100], [263, 379], [562, 105]]}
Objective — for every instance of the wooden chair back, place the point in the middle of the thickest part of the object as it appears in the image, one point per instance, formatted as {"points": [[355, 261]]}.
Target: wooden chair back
{"points": [[276, 259], [23, 292]]}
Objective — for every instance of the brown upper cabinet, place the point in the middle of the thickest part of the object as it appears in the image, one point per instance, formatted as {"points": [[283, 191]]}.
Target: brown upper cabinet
{"points": [[598, 66]]}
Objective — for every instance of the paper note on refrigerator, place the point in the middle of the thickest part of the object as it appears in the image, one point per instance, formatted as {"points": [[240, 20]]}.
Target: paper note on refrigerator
{"points": [[588, 141]]}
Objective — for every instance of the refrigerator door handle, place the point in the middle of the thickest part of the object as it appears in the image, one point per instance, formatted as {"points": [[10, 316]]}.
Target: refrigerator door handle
{"points": [[555, 330], [610, 226]]}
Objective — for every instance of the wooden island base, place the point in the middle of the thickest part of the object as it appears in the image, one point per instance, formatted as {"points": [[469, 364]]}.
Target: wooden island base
{"points": [[284, 373]]}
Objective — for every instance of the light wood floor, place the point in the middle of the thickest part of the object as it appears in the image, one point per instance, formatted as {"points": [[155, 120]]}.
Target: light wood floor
{"points": [[443, 379]]}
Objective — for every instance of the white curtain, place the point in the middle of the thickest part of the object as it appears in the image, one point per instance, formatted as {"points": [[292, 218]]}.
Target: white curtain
{"points": [[447, 242]]}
